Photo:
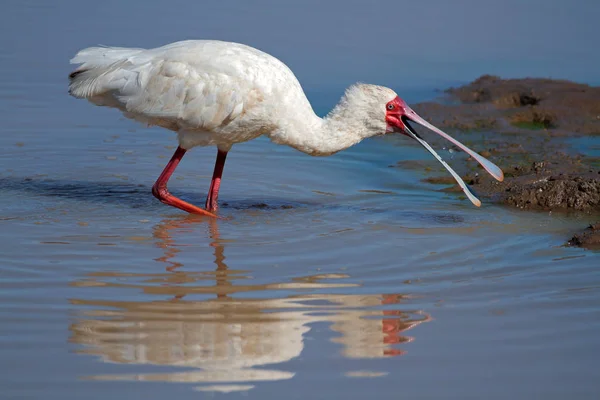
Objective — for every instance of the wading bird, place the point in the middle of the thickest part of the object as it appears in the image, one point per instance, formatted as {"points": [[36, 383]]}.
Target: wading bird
{"points": [[220, 93]]}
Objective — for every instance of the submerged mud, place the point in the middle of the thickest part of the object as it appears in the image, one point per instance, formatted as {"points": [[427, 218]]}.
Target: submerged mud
{"points": [[588, 238], [525, 125]]}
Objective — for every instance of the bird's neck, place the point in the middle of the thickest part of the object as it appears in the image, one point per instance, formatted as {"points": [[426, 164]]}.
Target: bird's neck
{"points": [[307, 132]]}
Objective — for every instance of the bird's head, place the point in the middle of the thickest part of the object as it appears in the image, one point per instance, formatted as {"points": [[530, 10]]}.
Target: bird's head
{"points": [[381, 111]]}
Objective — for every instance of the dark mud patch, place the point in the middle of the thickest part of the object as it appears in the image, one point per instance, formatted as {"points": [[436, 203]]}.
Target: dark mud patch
{"points": [[415, 164], [523, 125], [548, 186], [589, 238], [258, 206], [440, 180]]}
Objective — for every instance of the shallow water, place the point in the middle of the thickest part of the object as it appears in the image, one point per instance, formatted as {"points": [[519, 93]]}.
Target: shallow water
{"points": [[338, 276]]}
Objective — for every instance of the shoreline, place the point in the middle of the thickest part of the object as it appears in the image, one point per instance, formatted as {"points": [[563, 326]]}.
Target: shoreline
{"points": [[524, 126]]}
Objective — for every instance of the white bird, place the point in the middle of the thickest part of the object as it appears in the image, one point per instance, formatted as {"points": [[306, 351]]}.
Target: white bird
{"points": [[221, 93]]}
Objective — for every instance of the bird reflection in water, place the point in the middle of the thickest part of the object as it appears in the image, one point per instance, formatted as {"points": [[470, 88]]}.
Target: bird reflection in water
{"points": [[224, 337]]}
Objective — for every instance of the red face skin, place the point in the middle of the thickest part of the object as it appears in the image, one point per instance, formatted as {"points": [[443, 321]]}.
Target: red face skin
{"points": [[395, 110]]}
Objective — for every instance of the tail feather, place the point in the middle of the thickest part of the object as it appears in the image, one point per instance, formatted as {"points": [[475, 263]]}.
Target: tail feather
{"points": [[101, 70], [103, 56]]}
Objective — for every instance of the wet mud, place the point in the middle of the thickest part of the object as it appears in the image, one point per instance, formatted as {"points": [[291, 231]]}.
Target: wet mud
{"points": [[588, 238], [524, 126]]}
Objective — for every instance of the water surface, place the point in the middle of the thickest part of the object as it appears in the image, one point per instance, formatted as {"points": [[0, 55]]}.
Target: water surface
{"points": [[338, 276]]}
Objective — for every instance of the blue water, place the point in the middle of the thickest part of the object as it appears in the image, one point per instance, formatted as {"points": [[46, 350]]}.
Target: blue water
{"points": [[335, 277]]}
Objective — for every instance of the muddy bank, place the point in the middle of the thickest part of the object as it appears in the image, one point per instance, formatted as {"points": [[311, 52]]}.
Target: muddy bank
{"points": [[558, 185], [523, 125], [517, 105]]}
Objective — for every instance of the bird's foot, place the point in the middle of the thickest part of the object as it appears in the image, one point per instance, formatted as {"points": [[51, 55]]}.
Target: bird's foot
{"points": [[211, 205], [162, 194]]}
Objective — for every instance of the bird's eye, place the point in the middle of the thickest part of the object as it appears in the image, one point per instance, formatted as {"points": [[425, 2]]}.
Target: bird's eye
{"points": [[390, 106]]}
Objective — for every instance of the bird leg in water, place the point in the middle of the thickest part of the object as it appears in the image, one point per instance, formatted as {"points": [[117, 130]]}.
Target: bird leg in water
{"points": [[215, 184], [160, 191]]}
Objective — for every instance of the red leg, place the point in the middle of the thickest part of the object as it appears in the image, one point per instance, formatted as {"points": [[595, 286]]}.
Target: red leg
{"points": [[160, 191], [215, 184]]}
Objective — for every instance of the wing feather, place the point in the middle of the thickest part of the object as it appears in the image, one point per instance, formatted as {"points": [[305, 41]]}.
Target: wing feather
{"points": [[185, 85]]}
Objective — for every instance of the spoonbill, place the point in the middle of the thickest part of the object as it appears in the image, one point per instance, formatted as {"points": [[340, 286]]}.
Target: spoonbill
{"points": [[221, 93]]}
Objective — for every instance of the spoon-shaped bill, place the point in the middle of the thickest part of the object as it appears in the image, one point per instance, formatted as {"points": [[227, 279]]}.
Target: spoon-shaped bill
{"points": [[458, 179], [489, 166]]}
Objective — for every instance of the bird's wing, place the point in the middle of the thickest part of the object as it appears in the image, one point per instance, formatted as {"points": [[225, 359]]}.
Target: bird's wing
{"points": [[193, 89], [177, 91]]}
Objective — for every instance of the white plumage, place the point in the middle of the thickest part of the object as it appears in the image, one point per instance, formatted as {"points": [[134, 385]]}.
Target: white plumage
{"points": [[221, 93], [210, 92]]}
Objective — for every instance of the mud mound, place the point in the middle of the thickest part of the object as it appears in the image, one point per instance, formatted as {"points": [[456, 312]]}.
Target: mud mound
{"points": [[519, 104]]}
